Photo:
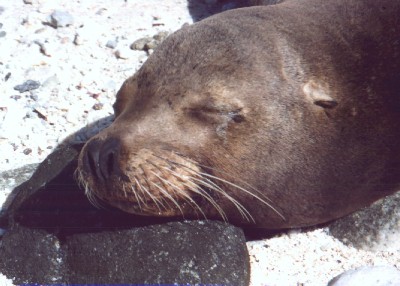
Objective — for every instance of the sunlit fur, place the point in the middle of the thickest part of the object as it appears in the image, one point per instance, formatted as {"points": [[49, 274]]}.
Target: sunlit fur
{"points": [[176, 189]]}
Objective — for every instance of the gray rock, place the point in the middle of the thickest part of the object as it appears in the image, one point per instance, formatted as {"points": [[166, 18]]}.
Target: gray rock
{"points": [[181, 252], [160, 36], [12, 178], [2, 34], [29, 255], [60, 19], [149, 43], [42, 174], [140, 43], [27, 86], [368, 276], [374, 228]]}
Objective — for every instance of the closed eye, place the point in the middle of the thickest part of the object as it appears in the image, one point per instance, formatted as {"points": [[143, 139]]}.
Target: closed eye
{"points": [[215, 115]]}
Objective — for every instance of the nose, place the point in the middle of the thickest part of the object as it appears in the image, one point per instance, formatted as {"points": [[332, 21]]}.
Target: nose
{"points": [[101, 158]]}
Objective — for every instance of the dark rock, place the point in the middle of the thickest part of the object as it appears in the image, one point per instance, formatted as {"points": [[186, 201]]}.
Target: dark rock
{"points": [[50, 210], [31, 256], [27, 86], [2, 34], [368, 276], [60, 19], [374, 228], [181, 252]]}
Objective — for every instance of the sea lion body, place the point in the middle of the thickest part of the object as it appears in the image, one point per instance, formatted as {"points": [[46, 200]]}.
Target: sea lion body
{"points": [[278, 116]]}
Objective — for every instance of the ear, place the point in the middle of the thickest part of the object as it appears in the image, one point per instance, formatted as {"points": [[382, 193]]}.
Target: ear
{"points": [[319, 94]]}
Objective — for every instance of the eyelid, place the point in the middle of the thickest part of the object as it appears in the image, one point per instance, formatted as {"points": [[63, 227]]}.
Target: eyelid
{"points": [[211, 112]]}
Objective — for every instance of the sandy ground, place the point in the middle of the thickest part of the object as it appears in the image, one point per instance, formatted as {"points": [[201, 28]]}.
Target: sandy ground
{"points": [[80, 67]]}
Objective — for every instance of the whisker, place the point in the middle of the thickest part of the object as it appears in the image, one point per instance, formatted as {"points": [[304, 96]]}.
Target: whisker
{"points": [[123, 189], [85, 185], [145, 191], [245, 191], [211, 185], [243, 211], [203, 194], [225, 173], [137, 197], [149, 187], [165, 193], [182, 193], [229, 183]]}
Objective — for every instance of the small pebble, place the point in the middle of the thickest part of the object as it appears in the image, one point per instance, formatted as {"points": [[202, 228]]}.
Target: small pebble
{"points": [[60, 19], [122, 53], [51, 81], [140, 44], [368, 276], [15, 97], [44, 49], [34, 97], [8, 75], [27, 151], [2, 34], [98, 106], [151, 45], [78, 40], [161, 36], [28, 1], [112, 44], [27, 86]]}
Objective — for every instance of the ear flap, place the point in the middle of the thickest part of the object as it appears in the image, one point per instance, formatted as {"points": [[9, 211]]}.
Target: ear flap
{"points": [[319, 94]]}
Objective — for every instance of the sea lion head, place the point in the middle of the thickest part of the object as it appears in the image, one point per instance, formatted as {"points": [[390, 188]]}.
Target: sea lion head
{"points": [[181, 133], [243, 118]]}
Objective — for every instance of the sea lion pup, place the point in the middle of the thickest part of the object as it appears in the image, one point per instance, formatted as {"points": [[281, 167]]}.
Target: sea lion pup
{"points": [[277, 116]]}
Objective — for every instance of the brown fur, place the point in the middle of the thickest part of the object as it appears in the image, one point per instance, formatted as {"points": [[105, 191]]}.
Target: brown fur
{"points": [[296, 103]]}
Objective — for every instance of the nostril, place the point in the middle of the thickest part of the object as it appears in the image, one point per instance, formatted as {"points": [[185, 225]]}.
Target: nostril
{"points": [[91, 158], [92, 163], [101, 158], [107, 164], [108, 158]]}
